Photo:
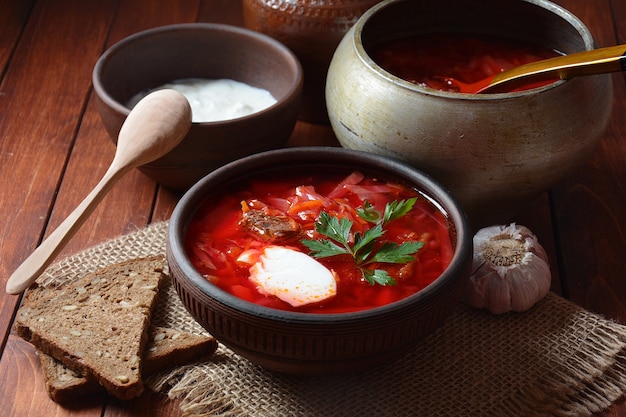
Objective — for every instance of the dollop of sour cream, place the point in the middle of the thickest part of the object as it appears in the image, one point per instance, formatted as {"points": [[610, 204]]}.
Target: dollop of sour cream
{"points": [[216, 100], [292, 276]]}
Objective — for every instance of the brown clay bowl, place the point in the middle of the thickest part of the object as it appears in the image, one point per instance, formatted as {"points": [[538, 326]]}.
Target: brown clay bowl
{"points": [[494, 152], [317, 344], [158, 56]]}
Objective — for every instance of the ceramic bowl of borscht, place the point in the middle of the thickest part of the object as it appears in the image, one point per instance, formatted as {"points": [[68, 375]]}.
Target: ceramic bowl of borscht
{"points": [[319, 260], [397, 86], [244, 88]]}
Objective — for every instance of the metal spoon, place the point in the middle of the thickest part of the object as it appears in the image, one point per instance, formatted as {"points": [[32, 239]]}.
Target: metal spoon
{"points": [[155, 126], [596, 61]]}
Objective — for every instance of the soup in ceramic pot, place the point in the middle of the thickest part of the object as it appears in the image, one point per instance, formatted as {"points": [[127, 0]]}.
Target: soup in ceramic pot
{"points": [[439, 61]]}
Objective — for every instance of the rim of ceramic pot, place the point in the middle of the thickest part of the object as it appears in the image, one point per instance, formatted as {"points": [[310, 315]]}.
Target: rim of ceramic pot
{"points": [[289, 158], [559, 11], [109, 54]]}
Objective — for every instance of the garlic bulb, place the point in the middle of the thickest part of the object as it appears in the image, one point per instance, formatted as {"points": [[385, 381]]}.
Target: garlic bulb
{"points": [[510, 269]]}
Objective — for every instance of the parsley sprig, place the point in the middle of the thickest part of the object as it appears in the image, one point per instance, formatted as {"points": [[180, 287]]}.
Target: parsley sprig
{"points": [[364, 248]]}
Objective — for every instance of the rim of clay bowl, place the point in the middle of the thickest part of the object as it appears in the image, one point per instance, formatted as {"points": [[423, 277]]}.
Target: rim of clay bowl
{"points": [[209, 27], [561, 12], [288, 158]]}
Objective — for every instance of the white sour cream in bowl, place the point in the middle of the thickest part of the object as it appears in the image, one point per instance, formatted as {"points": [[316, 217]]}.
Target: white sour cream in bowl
{"points": [[216, 100]]}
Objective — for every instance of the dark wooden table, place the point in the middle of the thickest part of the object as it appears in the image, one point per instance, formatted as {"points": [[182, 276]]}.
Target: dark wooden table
{"points": [[53, 150]]}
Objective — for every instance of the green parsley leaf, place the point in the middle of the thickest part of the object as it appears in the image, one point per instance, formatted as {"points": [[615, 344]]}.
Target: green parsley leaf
{"points": [[337, 230], [393, 253], [378, 276], [363, 250], [369, 213], [397, 209], [324, 248], [367, 239]]}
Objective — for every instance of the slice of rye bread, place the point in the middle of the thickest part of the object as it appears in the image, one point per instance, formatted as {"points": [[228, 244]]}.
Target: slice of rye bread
{"points": [[166, 348], [99, 324], [171, 347]]}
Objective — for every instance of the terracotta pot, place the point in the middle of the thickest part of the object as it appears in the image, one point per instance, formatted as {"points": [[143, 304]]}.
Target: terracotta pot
{"points": [[312, 29], [495, 153]]}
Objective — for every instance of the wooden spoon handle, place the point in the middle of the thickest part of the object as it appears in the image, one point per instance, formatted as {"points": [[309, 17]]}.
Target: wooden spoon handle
{"points": [[156, 125], [45, 253]]}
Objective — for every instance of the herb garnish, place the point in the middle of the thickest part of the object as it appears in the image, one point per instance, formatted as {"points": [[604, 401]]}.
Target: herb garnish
{"points": [[364, 250]]}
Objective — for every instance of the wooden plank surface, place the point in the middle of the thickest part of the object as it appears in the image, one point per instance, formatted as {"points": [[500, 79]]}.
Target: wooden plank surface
{"points": [[590, 205], [44, 91]]}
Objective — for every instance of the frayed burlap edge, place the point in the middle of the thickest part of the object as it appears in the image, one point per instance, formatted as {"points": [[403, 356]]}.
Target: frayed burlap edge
{"points": [[579, 369], [554, 360]]}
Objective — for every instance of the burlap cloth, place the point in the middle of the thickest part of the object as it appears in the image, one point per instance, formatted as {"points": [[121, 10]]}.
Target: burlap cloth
{"points": [[555, 360]]}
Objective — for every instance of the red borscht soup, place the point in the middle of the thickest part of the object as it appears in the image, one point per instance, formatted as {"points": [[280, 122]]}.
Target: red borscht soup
{"points": [[440, 60], [228, 235]]}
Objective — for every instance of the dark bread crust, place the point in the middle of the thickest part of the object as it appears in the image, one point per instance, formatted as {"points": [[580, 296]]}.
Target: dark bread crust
{"points": [[99, 324], [63, 384], [166, 348]]}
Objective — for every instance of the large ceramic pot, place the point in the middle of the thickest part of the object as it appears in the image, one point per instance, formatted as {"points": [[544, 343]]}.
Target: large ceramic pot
{"points": [[496, 153]]}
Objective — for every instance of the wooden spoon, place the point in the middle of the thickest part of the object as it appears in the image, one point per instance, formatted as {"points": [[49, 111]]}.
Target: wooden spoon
{"points": [[155, 126], [596, 61]]}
